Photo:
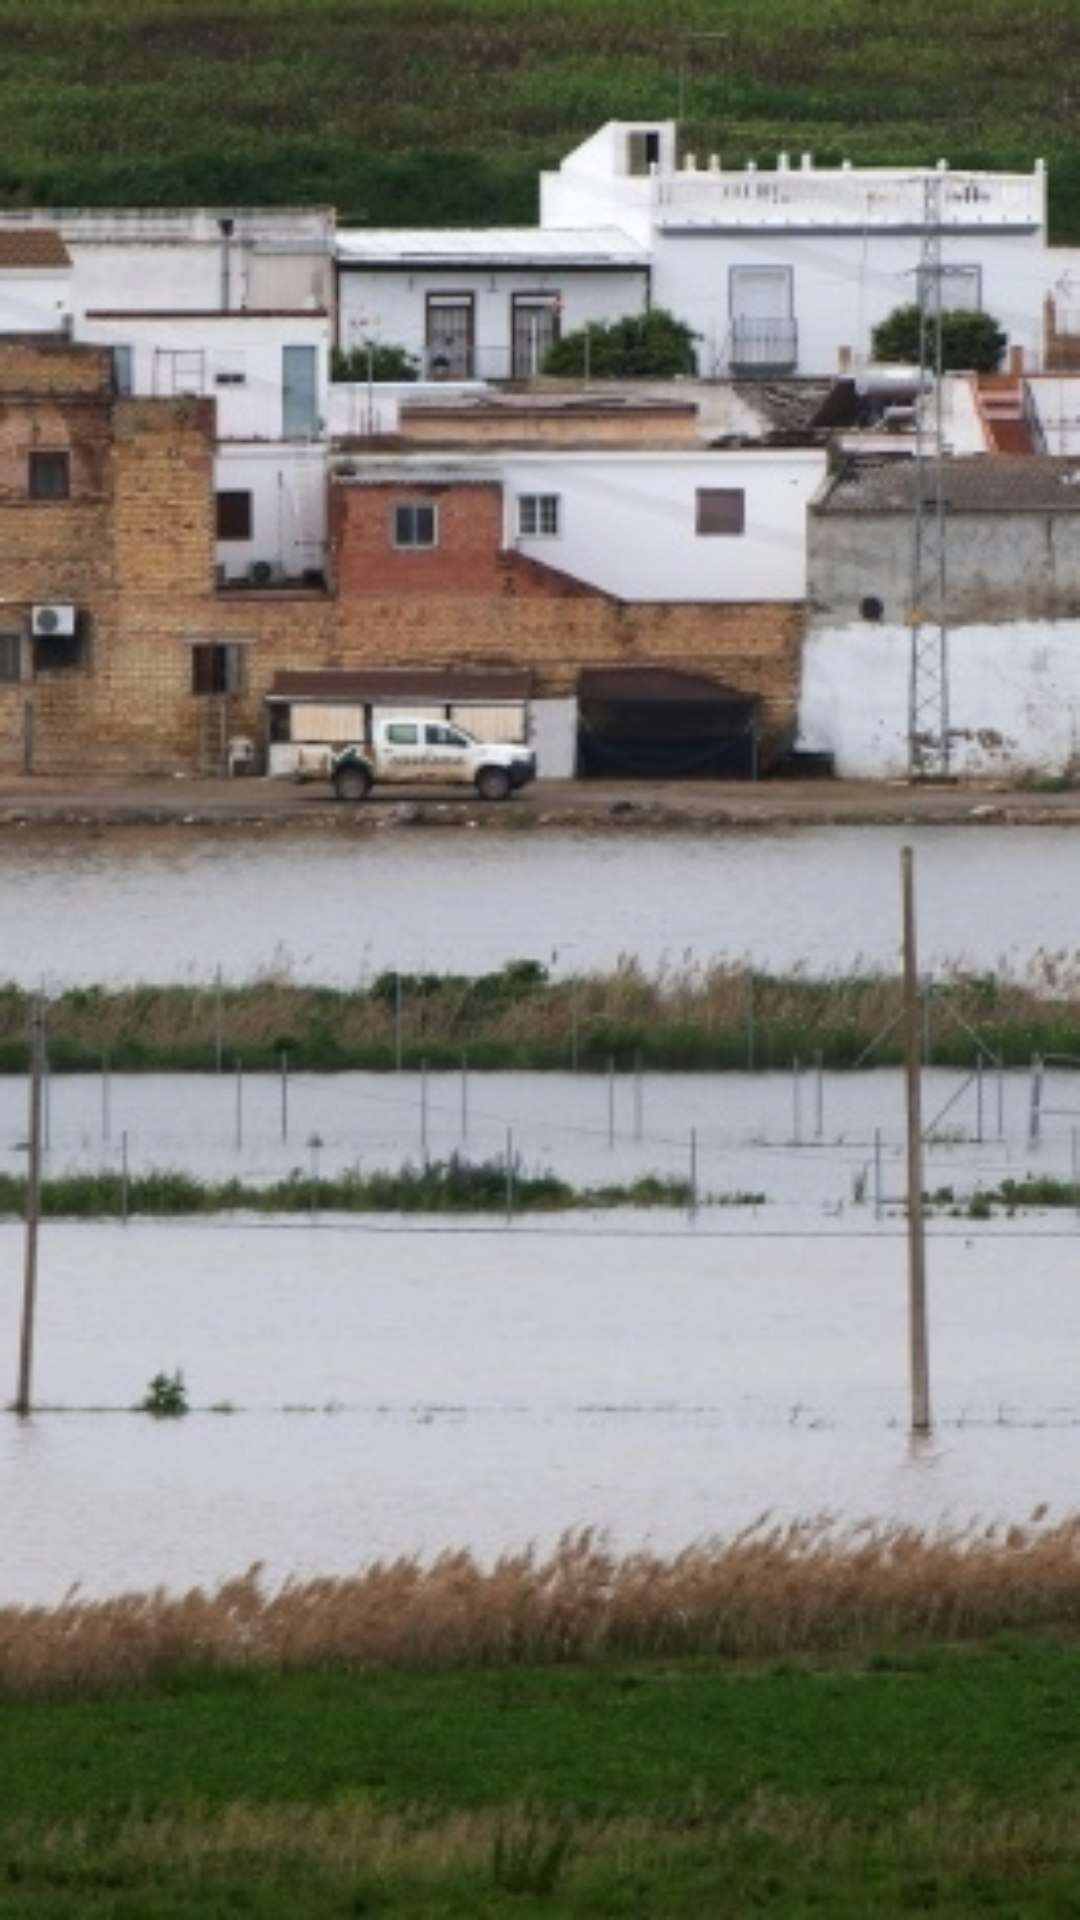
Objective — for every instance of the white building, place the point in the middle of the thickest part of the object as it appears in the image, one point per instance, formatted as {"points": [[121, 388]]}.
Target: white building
{"points": [[35, 281], [790, 270], [268, 373], [486, 304], [191, 257]]}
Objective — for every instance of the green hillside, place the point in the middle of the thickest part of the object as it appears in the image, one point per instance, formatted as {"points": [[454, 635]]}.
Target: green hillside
{"points": [[432, 111]]}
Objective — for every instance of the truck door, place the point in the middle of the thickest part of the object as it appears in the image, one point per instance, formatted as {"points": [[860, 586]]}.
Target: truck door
{"points": [[448, 753], [401, 751]]}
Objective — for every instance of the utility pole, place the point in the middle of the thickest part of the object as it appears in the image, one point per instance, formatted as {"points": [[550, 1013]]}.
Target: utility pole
{"points": [[928, 692], [33, 1210], [920, 1371]]}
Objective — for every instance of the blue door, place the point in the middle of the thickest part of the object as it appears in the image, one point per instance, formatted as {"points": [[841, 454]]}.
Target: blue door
{"points": [[299, 393]]}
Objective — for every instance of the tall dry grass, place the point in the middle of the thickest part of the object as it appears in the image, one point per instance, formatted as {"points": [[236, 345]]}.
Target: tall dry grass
{"points": [[799, 1588]]}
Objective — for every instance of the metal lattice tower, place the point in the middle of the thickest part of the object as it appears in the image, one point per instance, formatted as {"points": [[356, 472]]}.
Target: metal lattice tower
{"points": [[928, 698]]}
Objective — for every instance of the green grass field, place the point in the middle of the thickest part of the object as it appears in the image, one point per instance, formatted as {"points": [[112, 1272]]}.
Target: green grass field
{"points": [[941, 1780], [418, 112]]}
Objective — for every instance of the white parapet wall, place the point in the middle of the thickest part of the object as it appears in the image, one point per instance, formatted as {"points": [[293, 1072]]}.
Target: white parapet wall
{"points": [[1014, 692]]}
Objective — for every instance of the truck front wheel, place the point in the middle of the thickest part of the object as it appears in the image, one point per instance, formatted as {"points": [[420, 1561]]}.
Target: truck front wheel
{"points": [[493, 783], [352, 783]]}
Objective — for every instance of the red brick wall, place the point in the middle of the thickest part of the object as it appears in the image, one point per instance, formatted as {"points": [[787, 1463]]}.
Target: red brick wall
{"points": [[464, 560]]}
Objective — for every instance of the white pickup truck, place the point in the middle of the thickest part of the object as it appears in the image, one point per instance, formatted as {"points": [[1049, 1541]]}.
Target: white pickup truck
{"points": [[409, 750]]}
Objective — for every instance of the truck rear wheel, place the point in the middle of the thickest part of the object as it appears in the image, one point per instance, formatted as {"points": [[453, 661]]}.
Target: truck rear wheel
{"points": [[493, 783], [352, 783]]}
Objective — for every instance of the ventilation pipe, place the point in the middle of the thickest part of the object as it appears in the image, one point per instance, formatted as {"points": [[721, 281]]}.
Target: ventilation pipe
{"points": [[226, 225]]}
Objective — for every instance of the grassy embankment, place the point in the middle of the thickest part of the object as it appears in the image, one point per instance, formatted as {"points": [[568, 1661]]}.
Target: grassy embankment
{"points": [[420, 112], [718, 1018], [789, 1724]]}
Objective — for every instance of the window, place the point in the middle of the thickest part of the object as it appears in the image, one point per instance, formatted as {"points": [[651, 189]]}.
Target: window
{"points": [[642, 152], [234, 516], [179, 370], [229, 370], [721, 510], [50, 476], [123, 370], [403, 733], [415, 526], [217, 667], [538, 515], [871, 608], [436, 736], [961, 289], [10, 656]]}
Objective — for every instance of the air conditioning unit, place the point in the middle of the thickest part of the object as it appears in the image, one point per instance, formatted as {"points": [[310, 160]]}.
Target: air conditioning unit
{"points": [[49, 621], [261, 573]]}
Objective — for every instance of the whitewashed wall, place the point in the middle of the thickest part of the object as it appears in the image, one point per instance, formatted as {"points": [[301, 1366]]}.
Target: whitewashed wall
{"points": [[627, 521], [227, 342], [288, 490], [842, 285], [35, 300], [1014, 698], [354, 408], [391, 305]]}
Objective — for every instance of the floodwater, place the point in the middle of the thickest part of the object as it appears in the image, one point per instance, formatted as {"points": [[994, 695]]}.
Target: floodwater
{"points": [[173, 905], [799, 1140], [401, 1387]]}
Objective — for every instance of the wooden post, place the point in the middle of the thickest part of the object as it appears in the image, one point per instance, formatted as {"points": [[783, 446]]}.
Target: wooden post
{"points": [[1035, 1110], [919, 1358], [33, 1214]]}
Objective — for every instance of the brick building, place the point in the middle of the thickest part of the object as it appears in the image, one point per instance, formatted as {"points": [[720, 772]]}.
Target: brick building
{"points": [[118, 650]]}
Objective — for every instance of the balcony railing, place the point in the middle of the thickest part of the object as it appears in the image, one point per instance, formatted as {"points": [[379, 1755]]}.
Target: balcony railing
{"points": [[763, 346], [819, 196]]}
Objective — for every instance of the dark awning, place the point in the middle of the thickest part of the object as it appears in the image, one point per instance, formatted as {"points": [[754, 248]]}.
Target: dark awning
{"points": [[657, 686], [420, 685]]}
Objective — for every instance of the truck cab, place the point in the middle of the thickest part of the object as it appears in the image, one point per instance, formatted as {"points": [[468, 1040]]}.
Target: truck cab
{"points": [[410, 749]]}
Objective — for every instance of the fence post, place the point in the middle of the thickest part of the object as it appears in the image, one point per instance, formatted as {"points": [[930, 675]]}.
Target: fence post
{"points": [[314, 1146], [693, 1173], [1035, 1107], [877, 1173]]}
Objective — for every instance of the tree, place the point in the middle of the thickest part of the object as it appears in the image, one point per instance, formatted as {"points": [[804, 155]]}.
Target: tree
{"points": [[970, 342], [375, 360], [641, 346]]}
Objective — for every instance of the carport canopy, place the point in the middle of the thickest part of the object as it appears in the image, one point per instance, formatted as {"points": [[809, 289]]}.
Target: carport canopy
{"points": [[663, 723]]}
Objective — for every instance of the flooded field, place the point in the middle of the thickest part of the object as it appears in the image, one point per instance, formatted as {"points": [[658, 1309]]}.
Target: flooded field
{"points": [[176, 904], [796, 1139], [400, 1388]]}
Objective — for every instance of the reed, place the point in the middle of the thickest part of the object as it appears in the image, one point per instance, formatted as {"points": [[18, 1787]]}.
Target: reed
{"points": [[804, 1587], [442, 1186], [680, 1018]]}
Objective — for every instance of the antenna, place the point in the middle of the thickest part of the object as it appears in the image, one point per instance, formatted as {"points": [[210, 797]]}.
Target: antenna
{"points": [[928, 698]]}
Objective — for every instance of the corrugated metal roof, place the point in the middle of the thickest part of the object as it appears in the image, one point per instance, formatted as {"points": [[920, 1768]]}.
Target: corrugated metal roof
{"points": [[392, 684], [658, 686], [973, 483], [489, 246], [33, 247]]}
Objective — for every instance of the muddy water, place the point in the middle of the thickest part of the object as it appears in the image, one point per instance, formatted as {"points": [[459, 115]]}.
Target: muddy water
{"points": [[451, 1385], [178, 904], [804, 1141]]}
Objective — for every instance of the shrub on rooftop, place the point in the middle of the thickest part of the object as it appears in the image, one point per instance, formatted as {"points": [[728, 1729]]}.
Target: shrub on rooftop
{"points": [[374, 360], [640, 346], [970, 342]]}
